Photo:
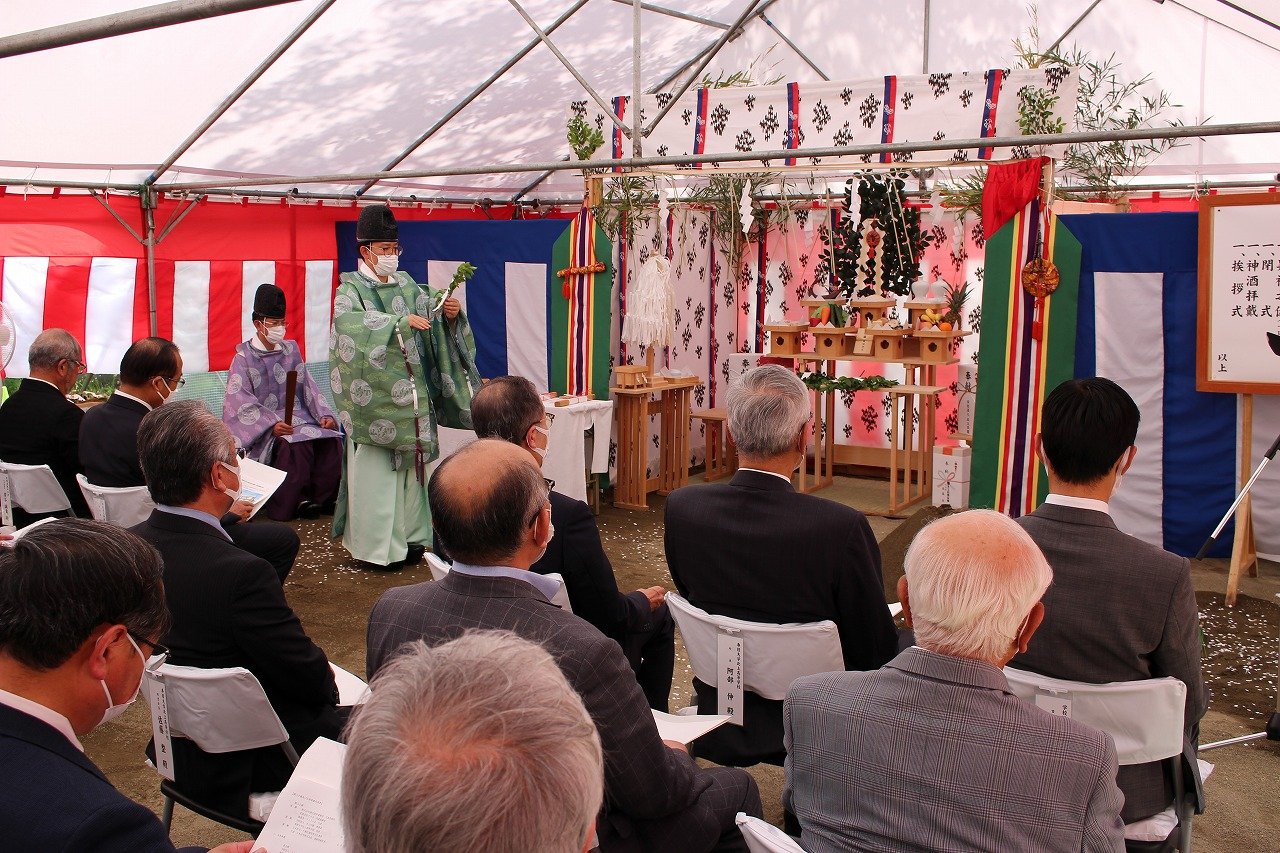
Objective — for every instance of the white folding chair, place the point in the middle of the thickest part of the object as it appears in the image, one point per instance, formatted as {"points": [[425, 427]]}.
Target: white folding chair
{"points": [[440, 568], [29, 487], [762, 837], [1144, 719], [219, 710], [120, 506], [773, 656]]}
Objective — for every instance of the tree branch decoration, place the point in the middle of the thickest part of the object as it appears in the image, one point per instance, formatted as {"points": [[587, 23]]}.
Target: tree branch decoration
{"points": [[825, 384], [879, 251]]}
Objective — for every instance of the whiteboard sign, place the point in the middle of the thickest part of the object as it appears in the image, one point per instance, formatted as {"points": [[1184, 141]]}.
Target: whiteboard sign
{"points": [[1238, 338]]}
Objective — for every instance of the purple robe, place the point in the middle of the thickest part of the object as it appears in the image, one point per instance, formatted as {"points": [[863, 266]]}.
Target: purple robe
{"points": [[255, 398]]}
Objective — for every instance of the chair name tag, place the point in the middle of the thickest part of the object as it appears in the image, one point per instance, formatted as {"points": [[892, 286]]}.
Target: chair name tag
{"points": [[729, 698], [1057, 703], [159, 701]]}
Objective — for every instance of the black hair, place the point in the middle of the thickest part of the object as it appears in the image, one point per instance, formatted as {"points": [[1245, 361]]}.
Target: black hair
{"points": [[505, 408], [147, 358], [484, 529], [1086, 425], [64, 579]]}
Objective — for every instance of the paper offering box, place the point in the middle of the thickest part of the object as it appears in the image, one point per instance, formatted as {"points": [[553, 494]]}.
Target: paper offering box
{"points": [[951, 476]]}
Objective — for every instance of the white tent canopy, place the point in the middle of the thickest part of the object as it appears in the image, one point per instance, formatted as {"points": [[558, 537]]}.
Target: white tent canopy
{"points": [[369, 77]]}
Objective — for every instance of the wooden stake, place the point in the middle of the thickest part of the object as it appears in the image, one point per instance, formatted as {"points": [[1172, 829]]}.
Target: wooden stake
{"points": [[1244, 552]]}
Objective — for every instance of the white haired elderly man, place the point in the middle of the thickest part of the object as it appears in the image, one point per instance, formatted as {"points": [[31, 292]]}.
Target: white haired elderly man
{"points": [[933, 752], [453, 731], [756, 549]]}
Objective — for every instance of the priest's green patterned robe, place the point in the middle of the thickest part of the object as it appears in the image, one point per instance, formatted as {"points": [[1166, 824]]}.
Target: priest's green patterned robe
{"points": [[391, 385]]}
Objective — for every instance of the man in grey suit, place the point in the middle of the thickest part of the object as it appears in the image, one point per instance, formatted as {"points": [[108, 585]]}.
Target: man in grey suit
{"points": [[934, 752], [489, 507], [1119, 609]]}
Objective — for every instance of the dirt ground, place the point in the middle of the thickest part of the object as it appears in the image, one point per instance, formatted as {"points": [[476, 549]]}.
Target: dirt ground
{"points": [[333, 599]]}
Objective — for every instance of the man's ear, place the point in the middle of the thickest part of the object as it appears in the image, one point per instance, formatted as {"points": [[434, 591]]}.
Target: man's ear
{"points": [[1128, 461], [1034, 620], [902, 598], [728, 434], [101, 648], [801, 444]]}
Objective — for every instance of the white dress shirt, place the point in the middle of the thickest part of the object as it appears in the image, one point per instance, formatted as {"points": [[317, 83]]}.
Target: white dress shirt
{"points": [[41, 713]]}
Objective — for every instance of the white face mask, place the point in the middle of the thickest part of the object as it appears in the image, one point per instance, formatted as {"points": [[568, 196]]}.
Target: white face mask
{"points": [[385, 265], [164, 398], [234, 494], [275, 335], [546, 434], [114, 710]]}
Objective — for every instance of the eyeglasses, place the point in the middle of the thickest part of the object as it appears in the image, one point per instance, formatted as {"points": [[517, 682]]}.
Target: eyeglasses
{"points": [[551, 418], [176, 383], [551, 484], [272, 324], [81, 367], [382, 249], [159, 653]]}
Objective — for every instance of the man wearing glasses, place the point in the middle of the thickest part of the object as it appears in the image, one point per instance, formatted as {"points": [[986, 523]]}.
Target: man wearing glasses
{"points": [[84, 608], [401, 361], [307, 447], [39, 425]]}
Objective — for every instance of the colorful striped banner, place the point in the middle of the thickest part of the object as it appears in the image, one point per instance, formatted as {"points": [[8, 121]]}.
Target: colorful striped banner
{"points": [[995, 77], [793, 120], [700, 124], [580, 316], [886, 123], [1016, 369], [620, 110]]}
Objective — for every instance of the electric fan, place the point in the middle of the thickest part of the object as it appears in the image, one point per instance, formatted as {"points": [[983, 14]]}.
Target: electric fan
{"points": [[8, 337]]}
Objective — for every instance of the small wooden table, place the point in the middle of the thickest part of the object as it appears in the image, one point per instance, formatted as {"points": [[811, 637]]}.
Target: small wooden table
{"points": [[633, 409]]}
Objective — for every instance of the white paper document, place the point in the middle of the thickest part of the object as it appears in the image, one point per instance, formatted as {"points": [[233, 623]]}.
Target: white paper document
{"points": [[351, 688], [258, 482], [686, 729], [307, 818]]}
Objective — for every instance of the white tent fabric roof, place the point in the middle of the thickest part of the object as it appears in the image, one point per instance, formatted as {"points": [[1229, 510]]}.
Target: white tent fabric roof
{"points": [[370, 76]]}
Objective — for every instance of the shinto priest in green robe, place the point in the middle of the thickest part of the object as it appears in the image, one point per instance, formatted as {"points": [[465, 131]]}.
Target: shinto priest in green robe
{"points": [[392, 384]]}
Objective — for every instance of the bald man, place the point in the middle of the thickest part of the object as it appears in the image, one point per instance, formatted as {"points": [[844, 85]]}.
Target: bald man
{"points": [[490, 508]]}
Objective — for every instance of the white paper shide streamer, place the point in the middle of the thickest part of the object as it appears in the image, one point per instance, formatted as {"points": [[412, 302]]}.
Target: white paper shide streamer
{"points": [[651, 306]]}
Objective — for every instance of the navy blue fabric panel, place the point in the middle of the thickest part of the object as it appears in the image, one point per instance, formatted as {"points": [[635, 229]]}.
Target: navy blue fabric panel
{"points": [[1199, 428], [490, 246]]}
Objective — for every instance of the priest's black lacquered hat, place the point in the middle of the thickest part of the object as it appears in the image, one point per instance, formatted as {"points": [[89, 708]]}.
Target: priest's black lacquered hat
{"points": [[269, 302], [378, 224]]}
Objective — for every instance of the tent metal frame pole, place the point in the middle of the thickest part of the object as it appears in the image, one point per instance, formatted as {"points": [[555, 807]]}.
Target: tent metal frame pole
{"points": [[147, 198], [122, 23], [118, 218], [836, 152], [244, 86], [475, 93], [673, 13], [754, 7], [1077, 22], [928, 23], [178, 215], [564, 60], [637, 128], [800, 53], [666, 81]]}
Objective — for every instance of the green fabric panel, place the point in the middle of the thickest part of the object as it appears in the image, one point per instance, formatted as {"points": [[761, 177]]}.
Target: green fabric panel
{"points": [[558, 351], [993, 361]]}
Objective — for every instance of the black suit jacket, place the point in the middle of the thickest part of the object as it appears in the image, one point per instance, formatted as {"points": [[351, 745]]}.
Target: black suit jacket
{"points": [[645, 781], [756, 549], [228, 609], [52, 797], [109, 443], [1119, 609], [575, 552], [40, 426]]}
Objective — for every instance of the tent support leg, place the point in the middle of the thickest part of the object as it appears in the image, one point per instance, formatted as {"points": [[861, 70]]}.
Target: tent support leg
{"points": [[148, 200]]}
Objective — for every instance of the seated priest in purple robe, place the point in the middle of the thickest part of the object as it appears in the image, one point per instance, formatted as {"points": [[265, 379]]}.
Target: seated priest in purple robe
{"points": [[307, 447]]}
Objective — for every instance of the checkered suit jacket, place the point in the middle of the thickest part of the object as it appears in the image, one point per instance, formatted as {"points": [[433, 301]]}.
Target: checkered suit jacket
{"points": [[656, 798], [1119, 609], [934, 753]]}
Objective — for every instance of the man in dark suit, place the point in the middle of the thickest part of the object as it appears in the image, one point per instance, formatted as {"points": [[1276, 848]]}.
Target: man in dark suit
{"points": [[39, 425], [82, 601], [509, 408], [150, 373], [489, 506], [933, 751], [755, 549], [1120, 609], [227, 605]]}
